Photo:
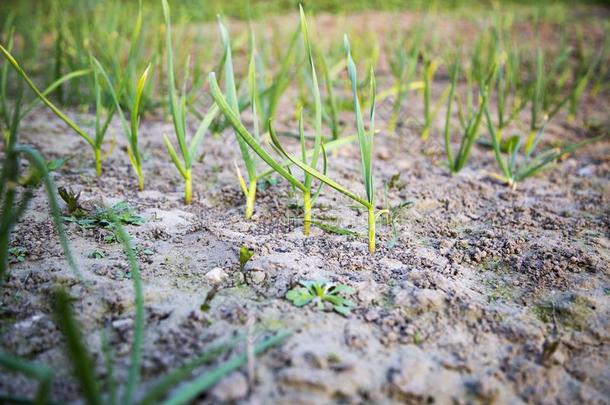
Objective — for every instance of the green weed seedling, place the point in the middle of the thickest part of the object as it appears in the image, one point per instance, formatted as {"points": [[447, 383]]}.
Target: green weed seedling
{"points": [[17, 254], [334, 229], [321, 292], [72, 202], [99, 217], [177, 107], [393, 213], [97, 254]]}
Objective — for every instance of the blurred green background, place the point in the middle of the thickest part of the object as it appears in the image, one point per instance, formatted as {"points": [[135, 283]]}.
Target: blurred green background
{"points": [[202, 10]]}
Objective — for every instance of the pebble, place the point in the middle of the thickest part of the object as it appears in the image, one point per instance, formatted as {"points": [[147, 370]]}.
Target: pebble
{"points": [[122, 324], [257, 277], [371, 315], [216, 276]]}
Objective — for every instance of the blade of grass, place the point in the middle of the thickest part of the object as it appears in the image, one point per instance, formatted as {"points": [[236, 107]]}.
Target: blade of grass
{"points": [[78, 353], [40, 373], [193, 389], [171, 380]]}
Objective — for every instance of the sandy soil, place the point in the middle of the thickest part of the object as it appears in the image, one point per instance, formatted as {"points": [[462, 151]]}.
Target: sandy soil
{"points": [[487, 294]]}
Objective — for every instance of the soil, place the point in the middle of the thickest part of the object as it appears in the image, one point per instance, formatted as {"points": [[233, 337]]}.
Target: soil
{"points": [[483, 294]]}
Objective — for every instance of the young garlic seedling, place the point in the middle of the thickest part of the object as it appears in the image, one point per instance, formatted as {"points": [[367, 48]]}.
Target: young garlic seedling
{"points": [[252, 140], [472, 122], [332, 117], [430, 110], [317, 125], [402, 66], [546, 102], [177, 106], [101, 126], [517, 168], [507, 82], [232, 100], [365, 140], [131, 128], [14, 202]]}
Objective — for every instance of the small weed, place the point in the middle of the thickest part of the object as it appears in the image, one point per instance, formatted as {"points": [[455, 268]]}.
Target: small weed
{"points": [[144, 252], [17, 254], [395, 183], [393, 213], [103, 217], [265, 183], [97, 254], [71, 199], [110, 239], [499, 291], [571, 311], [321, 292]]}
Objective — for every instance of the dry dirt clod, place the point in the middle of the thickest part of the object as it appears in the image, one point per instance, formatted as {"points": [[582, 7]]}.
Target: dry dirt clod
{"points": [[231, 388]]}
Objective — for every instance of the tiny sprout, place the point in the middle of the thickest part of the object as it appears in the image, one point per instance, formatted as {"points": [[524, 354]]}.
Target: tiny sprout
{"points": [[71, 199], [97, 254], [245, 255]]}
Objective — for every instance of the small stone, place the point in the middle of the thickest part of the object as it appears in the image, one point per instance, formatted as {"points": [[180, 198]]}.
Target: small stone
{"points": [[558, 358], [371, 315], [122, 324], [231, 388], [586, 171], [216, 276], [257, 277], [391, 336]]}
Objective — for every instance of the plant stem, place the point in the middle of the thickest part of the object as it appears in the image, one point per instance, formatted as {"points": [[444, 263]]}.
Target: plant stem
{"points": [[529, 142], [250, 199], [306, 212], [371, 229], [426, 132], [98, 162], [6, 219], [188, 187], [499, 134], [140, 178]]}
